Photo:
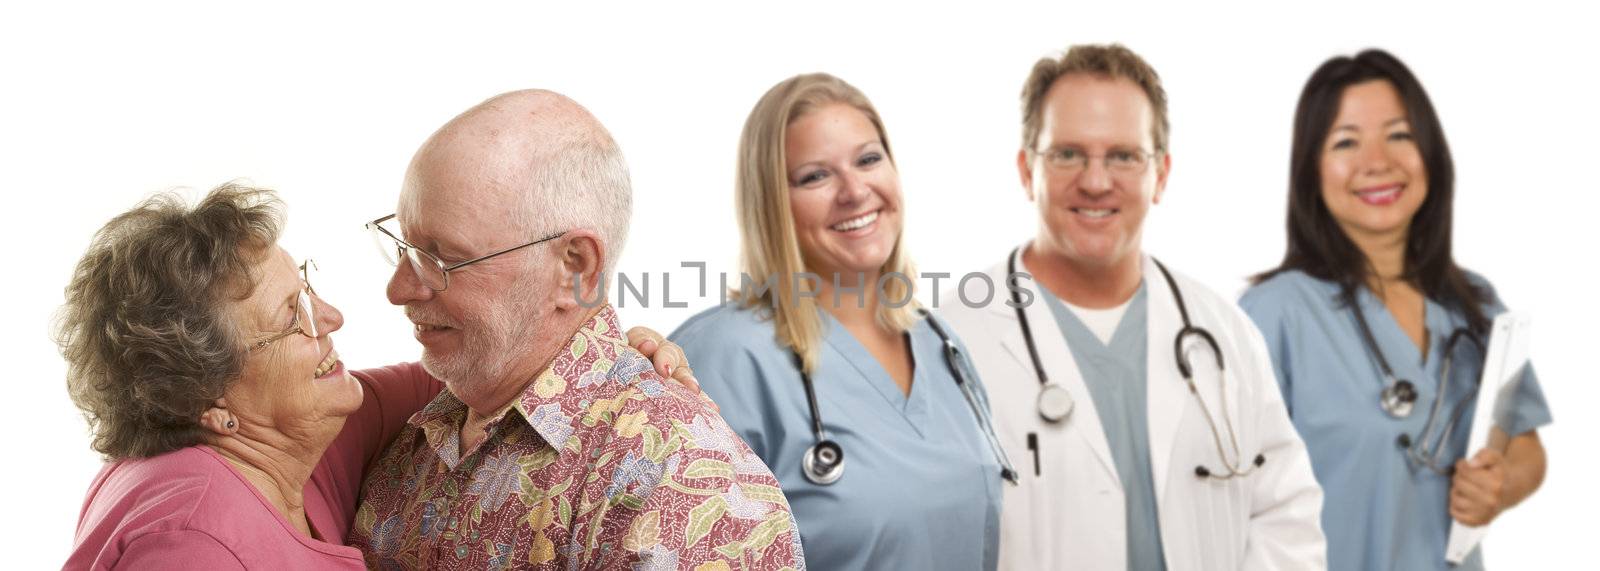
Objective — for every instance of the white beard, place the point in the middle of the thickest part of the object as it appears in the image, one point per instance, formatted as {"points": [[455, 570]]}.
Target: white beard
{"points": [[489, 348]]}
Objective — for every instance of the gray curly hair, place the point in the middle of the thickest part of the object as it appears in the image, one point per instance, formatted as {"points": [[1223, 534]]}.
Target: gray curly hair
{"points": [[147, 333]]}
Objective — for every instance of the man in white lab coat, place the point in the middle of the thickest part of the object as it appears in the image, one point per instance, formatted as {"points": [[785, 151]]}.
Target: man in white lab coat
{"points": [[1127, 460]]}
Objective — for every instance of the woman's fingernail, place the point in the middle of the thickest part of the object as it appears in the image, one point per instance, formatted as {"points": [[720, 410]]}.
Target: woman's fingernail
{"points": [[669, 369]]}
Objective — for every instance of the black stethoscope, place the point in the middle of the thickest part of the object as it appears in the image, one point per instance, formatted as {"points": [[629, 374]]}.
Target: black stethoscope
{"points": [[1399, 396], [1055, 403], [823, 462]]}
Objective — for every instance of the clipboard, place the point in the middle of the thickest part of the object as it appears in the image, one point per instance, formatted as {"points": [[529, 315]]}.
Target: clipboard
{"points": [[1502, 367]]}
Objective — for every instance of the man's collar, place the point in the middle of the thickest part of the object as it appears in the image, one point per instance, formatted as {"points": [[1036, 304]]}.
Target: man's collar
{"points": [[596, 354], [551, 400], [443, 407]]}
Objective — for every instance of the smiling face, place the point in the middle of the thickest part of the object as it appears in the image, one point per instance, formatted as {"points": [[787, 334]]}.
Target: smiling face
{"points": [[844, 192], [1373, 176], [1093, 216], [295, 380], [472, 333]]}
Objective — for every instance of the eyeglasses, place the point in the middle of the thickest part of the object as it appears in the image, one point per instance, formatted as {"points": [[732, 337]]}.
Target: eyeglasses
{"points": [[429, 268], [304, 321], [1120, 162]]}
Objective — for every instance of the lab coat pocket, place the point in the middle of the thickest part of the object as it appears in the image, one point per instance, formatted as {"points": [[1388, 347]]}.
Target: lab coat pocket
{"points": [[1220, 509], [1209, 515]]}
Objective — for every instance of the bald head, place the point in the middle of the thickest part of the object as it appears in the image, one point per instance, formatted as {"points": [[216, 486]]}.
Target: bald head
{"points": [[526, 163], [489, 187]]}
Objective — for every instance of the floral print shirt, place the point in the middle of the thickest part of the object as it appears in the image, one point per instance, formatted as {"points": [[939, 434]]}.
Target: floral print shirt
{"points": [[599, 463]]}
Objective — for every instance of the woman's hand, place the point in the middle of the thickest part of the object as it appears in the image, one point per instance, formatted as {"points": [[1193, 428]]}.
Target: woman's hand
{"points": [[667, 357], [1475, 491]]}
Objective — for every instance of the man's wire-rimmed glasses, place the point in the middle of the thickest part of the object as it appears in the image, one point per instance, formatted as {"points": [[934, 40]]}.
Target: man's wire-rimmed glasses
{"points": [[1120, 162], [429, 268]]}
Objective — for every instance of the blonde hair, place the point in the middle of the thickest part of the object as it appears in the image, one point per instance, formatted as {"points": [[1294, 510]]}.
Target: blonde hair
{"points": [[769, 246]]}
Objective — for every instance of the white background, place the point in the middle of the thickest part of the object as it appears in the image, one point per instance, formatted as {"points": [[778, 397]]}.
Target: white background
{"points": [[103, 105]]}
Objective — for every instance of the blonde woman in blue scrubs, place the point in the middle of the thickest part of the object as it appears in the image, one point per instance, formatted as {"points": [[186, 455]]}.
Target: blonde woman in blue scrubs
{"points": [[1368, 309], [918, 482]]}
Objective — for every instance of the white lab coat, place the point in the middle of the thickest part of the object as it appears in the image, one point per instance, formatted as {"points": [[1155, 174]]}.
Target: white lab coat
{"points": [[1071, 514]]}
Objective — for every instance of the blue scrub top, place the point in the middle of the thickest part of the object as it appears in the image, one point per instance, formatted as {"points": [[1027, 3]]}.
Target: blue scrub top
{"points": [[920, 489], [1118, 378], [1383, 511]]}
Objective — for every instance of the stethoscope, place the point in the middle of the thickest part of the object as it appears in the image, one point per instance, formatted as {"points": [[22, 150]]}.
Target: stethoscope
{"points": [[1399, 397], [823, 463], [1055, 402]]}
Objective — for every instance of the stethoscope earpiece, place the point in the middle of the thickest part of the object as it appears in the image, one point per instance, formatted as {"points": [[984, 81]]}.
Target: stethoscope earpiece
{"points": [[823, 463]]}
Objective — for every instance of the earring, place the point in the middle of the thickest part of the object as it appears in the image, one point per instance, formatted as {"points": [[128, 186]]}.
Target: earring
{"points": [[229, 425]]}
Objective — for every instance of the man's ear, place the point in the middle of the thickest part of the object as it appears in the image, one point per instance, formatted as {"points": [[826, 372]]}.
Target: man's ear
{"points": [[580, 258], [219, 419], [1163, 169], [1025, 171]]}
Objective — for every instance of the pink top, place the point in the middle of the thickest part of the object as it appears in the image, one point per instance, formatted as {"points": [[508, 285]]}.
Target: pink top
{"points": [[189, 509]]}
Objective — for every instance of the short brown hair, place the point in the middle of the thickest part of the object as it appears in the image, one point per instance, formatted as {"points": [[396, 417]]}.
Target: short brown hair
{"points": [[146, 331], [1110, 61]]}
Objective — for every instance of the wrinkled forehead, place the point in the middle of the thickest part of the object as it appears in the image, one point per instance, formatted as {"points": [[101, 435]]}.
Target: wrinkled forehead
{"points": [[276, 278], [465, 190]]}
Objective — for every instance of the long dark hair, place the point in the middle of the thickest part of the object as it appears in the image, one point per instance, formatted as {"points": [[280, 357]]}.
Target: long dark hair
{"points": [[1318, 246]]}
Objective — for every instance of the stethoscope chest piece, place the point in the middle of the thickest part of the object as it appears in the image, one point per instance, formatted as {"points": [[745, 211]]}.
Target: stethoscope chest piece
{"points": [[1055, 403], [823, 463], [1399, 398]]}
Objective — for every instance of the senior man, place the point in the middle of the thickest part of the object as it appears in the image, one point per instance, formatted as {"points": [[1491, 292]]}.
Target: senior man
{"points": [[556, 445]]}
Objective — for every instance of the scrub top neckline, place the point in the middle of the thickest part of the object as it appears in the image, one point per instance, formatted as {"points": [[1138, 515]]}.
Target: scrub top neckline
{"points": [[1389, 335], [911, 406], [1059, 308]]}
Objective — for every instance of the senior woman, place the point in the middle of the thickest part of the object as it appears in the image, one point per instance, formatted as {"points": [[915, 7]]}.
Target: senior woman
{"points": [[1378, 336], [201, 356], [878, 437]]}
